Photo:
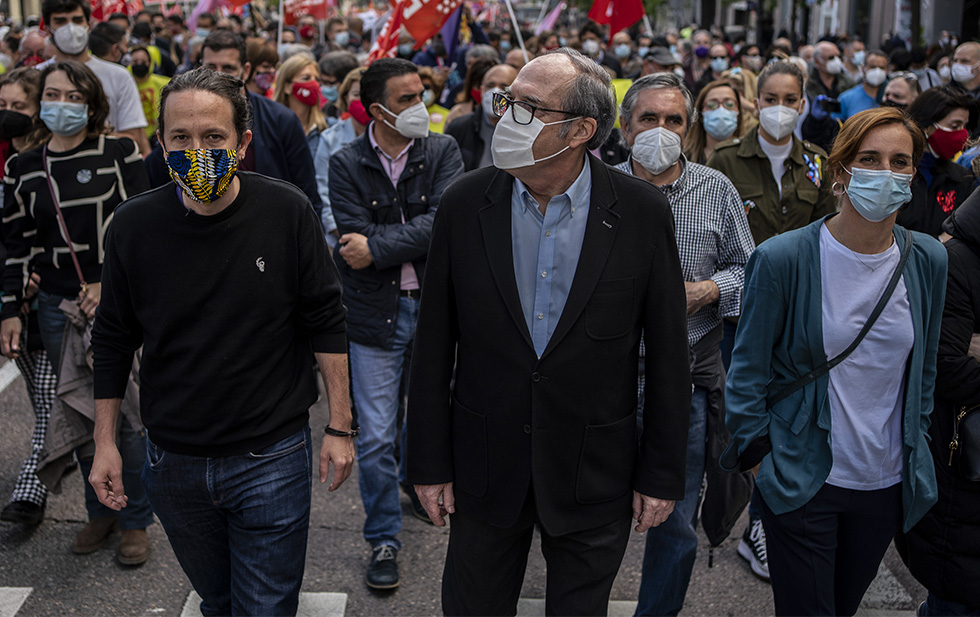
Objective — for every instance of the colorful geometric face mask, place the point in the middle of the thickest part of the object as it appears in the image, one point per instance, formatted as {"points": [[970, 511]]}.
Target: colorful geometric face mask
{"points": [[204, 174]]}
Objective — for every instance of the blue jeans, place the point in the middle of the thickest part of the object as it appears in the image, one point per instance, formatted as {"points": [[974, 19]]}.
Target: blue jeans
{"points": [[937, 606], [132, 445], [668, 558], [238, 524], [376, 376]]}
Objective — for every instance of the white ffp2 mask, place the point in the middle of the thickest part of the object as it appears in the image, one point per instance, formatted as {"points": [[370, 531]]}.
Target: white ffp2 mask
{"points": [[412, 123], [513, 143], [657, 149]]}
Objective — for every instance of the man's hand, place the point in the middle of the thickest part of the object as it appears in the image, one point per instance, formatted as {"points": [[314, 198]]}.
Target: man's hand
{"points": [[90, 298], [340, 452], [438, 501], [106, 477], [700, 294], [650, 511], [355, 251], [10, 330]]}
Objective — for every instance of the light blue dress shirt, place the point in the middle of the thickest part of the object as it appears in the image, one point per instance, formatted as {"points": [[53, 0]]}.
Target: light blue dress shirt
{"points": [[546, 251]]}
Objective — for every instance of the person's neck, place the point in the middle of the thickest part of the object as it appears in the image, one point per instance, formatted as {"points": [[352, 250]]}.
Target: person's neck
{"points": [[554, 178], [826, 78], [709, 144], [667, 176], [973, 84], [60, 56], [302, 112], [772, 140], [141, 80], [859, 234], [358, 127], [18, 143], [389, 140], [215, 206], [62, 143], [871, 91], [850, 66]]}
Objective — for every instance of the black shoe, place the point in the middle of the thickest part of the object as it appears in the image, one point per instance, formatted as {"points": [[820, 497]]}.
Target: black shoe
{"points": [[382, 572], [417, 510], [752, 548], [23, 512]]}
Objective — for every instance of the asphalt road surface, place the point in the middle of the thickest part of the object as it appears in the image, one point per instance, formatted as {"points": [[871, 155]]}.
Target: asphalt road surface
{"points": [[39, 575]]}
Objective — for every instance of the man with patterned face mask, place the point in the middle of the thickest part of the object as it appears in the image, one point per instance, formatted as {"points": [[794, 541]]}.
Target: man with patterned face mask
{"points": [[385, 187], [229, 446], [714, 243], [544, 270]]}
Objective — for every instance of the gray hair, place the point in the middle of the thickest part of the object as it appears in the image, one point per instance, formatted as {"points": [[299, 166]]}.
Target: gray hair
{"points": [[590, 95], [666, 81], [482, 51], [295, 49]]}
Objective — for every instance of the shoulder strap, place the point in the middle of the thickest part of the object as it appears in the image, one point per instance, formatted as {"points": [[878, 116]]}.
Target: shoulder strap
{"points": [[61, 218], [825, 368]]}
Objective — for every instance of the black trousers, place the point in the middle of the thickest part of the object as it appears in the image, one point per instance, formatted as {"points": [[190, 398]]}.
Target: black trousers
{"points": [[485, 566], [824, 555]]}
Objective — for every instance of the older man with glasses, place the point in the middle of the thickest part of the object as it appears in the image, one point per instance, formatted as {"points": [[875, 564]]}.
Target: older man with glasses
{"points": [[543, 271]]}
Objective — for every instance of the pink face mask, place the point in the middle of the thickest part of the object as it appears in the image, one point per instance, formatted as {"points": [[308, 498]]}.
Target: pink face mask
{"points": [[356, 109]]}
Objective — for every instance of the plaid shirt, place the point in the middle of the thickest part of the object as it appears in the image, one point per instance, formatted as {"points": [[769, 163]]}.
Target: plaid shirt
{"points": [[713, 239]]}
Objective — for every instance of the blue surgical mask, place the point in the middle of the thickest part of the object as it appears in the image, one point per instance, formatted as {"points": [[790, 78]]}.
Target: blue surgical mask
{"points": [[330, 93], [202, 32], [877, 193], [720, 123], [642, 51], [505, 46], [341, 39], [404, 49], [719, 65], [623, 51], [64, 119], [428, 97], [563, 41]]}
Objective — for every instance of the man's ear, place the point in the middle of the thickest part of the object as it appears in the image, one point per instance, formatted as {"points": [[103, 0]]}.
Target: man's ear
{"points": [[583, 130]]}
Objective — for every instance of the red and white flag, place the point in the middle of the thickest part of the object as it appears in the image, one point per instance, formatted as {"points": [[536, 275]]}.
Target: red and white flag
{"points": [[619, 14], [386, 44], [294, 9]]}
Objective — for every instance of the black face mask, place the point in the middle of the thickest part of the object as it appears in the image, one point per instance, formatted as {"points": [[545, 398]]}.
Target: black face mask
{"points": [[890, 103], [140, 70], [14, 124]]}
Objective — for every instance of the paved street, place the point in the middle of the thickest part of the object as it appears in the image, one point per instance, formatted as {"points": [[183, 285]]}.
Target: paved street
{"points": [[39, 576]]}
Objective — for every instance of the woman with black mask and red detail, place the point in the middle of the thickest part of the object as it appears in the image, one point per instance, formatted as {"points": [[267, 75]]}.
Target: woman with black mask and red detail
{"points": [[947, 116]]}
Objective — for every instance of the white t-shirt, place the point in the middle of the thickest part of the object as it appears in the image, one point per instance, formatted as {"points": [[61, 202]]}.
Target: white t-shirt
{"points": [[867, 389], [777, 157], [125, 107]]}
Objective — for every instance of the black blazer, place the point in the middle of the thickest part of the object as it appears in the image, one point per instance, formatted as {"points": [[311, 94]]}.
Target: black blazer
{"points": [[487, 414]]}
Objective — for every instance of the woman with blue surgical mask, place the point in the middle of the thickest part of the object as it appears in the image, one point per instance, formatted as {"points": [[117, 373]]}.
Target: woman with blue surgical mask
{"points": [[719, 118], [831, 383], [74, 182]]}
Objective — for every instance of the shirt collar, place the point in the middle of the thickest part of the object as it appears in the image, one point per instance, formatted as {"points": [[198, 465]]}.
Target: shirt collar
{"points": [[377, 149], [577, 193], [677, 184]]}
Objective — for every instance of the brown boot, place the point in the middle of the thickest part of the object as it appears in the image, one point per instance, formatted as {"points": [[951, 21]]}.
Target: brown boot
{"points": [[93, 536], [134, 549]]}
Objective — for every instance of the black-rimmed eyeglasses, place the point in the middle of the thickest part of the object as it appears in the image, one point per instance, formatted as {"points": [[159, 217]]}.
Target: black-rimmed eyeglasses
{"points": [[522, 111]]}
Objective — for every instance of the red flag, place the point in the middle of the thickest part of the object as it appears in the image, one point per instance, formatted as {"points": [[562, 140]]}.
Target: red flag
{"points": [[619, 14], [424, 18], [294, 9], [387, 41]]}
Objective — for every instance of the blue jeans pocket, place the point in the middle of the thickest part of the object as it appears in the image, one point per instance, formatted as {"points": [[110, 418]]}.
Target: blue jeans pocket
{"points": [[154, 455], [278, 449]]}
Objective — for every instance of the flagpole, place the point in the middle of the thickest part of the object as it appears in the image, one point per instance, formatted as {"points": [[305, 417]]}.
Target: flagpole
{"points": [[282, 14], [517, 30], [544, 10], [646, 22]]}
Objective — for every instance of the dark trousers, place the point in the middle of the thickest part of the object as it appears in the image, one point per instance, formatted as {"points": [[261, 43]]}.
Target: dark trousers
{"points": [[485, 566], [824, 555]]}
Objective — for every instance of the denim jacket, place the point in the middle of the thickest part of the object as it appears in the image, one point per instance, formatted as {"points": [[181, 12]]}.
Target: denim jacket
{"points": [[780, 338], [364, 201]]}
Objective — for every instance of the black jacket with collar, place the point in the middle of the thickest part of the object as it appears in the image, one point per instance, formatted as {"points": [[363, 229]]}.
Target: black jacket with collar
{"points": [[364, 201], [466, 131], [492, 417]]}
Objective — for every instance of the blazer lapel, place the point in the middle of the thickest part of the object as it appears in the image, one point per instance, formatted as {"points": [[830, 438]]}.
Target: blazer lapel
{"points": [[495, 223], [600, 232]]}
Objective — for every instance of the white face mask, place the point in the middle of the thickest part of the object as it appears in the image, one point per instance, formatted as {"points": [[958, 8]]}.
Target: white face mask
{"points": [[858, 59], [487, 103], [513, 143], [657, 149], [591, 47], [944, 72], [778, 120], [835, 66], [71, 39], [962, 72], [875, 77], [412, 122]]}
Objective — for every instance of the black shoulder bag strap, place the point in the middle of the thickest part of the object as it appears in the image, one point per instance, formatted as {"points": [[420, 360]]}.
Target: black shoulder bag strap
{"points": [[824, 368]]}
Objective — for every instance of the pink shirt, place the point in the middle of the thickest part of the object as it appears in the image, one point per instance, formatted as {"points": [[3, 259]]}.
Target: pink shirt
{"points": [[394, 168]]}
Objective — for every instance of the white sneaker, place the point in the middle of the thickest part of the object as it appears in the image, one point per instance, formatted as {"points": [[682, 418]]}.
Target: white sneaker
{"points": [[752, 548]]}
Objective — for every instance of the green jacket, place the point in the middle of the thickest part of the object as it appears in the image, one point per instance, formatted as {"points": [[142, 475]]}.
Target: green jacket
{"points": [[806, 184]]}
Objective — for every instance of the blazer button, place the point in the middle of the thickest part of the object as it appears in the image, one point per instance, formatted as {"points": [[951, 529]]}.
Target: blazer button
{"points": [[527, 429], [535, 377]]}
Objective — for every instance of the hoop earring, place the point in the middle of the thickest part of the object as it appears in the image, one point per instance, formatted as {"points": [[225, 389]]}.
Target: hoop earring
{"points": [[837, 189]]}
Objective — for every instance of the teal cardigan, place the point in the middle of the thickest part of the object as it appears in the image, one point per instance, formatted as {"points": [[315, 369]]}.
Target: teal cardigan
{"points": [[780, 338]]}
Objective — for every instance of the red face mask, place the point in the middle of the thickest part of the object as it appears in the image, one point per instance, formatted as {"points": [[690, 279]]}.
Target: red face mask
{"points": [[307, 32], [358, 112], [307, 92], [946, 143], [477, 95]]}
